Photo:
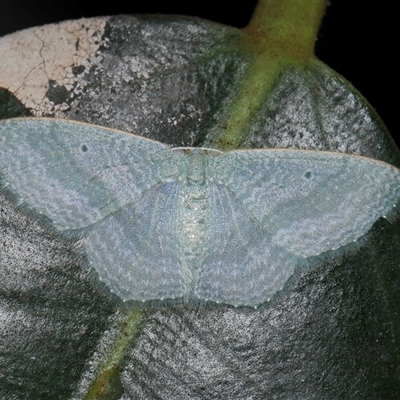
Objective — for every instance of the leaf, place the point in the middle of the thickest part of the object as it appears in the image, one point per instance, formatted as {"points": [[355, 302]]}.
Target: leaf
{"points": [[332, 332]]}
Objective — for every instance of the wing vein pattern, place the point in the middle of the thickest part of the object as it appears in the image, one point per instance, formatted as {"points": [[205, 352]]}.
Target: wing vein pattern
{"points": [[160, 223]]}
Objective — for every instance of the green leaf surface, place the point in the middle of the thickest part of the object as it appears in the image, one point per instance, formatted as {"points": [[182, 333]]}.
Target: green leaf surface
{"points": [[332, 333]]}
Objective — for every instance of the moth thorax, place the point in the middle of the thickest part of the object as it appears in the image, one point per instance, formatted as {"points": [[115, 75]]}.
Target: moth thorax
{"points": [[193, 219], [196, 169]]}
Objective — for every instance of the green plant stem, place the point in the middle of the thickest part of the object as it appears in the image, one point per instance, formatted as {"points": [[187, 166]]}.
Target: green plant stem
{"points": [[108, 385], [281, 33]]}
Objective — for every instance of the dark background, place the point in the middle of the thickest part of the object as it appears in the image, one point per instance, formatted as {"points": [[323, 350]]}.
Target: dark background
{"points": [[357, 42]]}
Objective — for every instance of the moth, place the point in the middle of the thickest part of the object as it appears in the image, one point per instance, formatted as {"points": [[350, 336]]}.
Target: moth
{"points": [[189, 223]]}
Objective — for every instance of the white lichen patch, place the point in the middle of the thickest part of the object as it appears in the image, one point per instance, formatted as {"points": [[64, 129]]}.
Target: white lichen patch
{"points": [[34, 57]]}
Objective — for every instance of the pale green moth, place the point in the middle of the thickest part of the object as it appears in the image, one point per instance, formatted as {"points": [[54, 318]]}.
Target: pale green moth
{"points": [[190, 223]]}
